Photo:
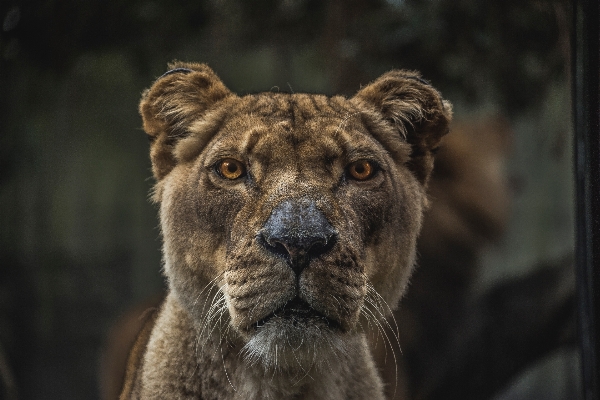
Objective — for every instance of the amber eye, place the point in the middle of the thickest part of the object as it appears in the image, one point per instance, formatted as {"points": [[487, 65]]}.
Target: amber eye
{"points": [[230, 168], [361, 170]]}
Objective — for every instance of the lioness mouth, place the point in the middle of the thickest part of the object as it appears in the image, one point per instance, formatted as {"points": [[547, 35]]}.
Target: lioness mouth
{"points": [[298, 312]]}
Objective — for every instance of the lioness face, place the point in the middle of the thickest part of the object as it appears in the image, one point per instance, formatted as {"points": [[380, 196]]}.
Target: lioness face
{"points": [[287, 217]]}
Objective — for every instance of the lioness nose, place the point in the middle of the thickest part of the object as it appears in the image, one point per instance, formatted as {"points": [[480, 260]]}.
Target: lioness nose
{"points": [[299, 231]]}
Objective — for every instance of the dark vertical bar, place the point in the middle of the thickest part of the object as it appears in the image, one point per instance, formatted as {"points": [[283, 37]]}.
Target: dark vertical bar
{"points": [[586, 93]]}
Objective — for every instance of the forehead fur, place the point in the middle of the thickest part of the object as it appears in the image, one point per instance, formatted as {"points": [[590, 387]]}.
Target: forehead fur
{"points": [[343, 128]]}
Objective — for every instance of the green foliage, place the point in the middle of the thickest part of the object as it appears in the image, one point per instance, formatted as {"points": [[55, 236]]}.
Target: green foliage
{"points": [[503, 51]]}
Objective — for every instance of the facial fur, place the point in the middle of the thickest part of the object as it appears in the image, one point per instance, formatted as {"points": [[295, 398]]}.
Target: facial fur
{"points": [[272, 238]]}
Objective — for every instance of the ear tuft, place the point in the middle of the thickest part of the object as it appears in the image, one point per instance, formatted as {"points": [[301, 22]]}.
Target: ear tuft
{"points": [[177, 98], [414, 109]]}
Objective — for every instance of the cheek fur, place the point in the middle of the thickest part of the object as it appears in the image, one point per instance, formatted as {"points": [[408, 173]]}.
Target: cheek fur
{"points": [[217, 207], [371, 211]]}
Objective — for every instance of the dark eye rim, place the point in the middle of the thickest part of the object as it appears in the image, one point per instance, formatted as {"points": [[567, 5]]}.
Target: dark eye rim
{"points": [[374, 164], [217, 168]]}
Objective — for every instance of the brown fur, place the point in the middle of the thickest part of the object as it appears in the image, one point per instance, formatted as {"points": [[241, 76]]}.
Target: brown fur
{"points": [[119, 343], [470, 203], [137, 352], [240, 320]]}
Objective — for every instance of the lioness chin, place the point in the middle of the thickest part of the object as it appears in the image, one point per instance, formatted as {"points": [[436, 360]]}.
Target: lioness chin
{"points": [[289, 224]]}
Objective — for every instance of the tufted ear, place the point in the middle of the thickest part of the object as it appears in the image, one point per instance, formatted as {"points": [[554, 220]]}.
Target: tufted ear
{"points": [[175, 100], [415, 110]]}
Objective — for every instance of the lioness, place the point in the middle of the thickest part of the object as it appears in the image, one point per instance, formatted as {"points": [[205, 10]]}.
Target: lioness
{"points": [[289, 223]]}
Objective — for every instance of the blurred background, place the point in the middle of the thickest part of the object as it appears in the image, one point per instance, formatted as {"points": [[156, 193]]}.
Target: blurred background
{"points": [[79, 244]]}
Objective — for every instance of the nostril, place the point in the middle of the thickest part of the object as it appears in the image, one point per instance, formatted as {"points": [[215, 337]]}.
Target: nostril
{"points": [[298, 231], [274, 246], [298, 252], [321, 246]]}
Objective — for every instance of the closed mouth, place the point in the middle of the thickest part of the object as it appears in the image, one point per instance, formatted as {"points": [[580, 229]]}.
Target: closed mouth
{"points": [[298, 312]]}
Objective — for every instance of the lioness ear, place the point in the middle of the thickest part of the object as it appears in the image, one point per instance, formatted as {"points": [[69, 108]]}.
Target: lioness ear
{"points": [[177, 98], [415, 110]]}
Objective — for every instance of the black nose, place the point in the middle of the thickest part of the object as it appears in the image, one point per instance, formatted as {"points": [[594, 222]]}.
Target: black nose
{"points": [[299, 231]]}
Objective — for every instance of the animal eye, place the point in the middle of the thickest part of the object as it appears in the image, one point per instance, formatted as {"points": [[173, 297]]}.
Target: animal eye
{"points": [[230, 168], [361, 170]]}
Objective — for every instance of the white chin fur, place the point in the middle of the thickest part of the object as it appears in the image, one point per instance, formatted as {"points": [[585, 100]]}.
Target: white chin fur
{"points": [[296, 345]]}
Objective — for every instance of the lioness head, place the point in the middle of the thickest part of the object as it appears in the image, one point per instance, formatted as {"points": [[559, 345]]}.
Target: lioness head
{"points": [[287, 217]]}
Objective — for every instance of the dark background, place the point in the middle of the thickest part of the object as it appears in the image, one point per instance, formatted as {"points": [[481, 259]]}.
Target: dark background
{"points": [[79, 242]]}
